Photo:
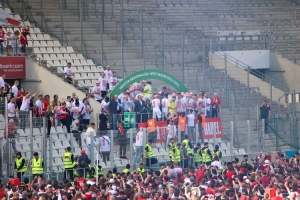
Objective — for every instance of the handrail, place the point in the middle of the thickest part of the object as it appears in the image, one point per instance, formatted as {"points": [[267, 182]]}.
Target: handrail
{"points": [[253, 71]]}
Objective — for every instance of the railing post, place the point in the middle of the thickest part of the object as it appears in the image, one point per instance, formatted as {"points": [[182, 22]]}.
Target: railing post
{"points": [[231, 137], [112, 147], [214, 134], [197, 132], [102, 31], [249, 137], [81, 36], [92, 149], [276, 134], [182, 61], [162, 47], [61, 24], [179, 134], [271, 93], [226, 81], [257, 127], [131, 144], [44, 149], [122, 54], [263, 135], [8, 142], [50, 154]]}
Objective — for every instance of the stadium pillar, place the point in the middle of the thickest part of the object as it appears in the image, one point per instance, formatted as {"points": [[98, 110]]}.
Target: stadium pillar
{"points": [[131, 145], [112, 147]]}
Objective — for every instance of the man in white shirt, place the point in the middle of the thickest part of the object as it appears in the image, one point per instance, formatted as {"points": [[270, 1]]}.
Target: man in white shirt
{"points": [[39, 105], [155, 107], [76, 130], [207, 105], [11, 109], [164, 107], [2, 82], [201, 103], [137, 88], [23, 115], [90, 137], [108, 73], [86, 114], [97, 92], [104, 146], [217, 163], [103, 84], [191, 125], [113, 80], [139, 146], [15, 89], [177, 169], [69, 76]]}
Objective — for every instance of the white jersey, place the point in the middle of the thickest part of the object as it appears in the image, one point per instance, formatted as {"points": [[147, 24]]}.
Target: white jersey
{"points": [[68, 71], [104, 143], [108, 74], [105, 106], [15, 91], [97, 89], [103, 83], [86, 112], [39, 106], [164, 106], [2, 83], [207, 104], [139, 139], [25, 103], [112, 82], [184, 103], [176, 171], [155, 104], [75, 110], [11, 110]]}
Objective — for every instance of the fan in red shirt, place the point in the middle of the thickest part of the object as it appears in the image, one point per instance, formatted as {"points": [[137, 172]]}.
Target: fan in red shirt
{"points": [[211, 189], [2, 36], [20, 95], [200, 173], [23, 39], [45, 104], [230, 173]]}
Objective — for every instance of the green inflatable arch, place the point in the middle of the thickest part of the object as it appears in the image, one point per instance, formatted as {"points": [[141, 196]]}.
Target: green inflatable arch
{"points": [[148, 74]]}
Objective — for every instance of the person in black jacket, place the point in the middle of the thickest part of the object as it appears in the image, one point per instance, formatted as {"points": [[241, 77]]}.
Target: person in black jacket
{"points": [[115, 108], [141, 111], [20, 165], [199, 122], [83, 167]]}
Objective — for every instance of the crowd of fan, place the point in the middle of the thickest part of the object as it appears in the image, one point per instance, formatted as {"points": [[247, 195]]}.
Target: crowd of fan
{"points": [[270, 176]]}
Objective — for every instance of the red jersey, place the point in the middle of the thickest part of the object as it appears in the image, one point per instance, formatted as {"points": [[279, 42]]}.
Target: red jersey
{"points": [[81, 182], [23, 36], [45, 105], [229, 174], [2, 35], [121, 130], [63, 113], [215, 102]]}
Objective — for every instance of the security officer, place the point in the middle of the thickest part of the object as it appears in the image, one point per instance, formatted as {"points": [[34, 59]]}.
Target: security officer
{"points": [[197, 155], [148, 154], [206, 154], [147, 91], [37, 166], [217, 152], [20, 165], [265, 113], [75, 163], [141, 168], [176, 157], [171, 146], [188, 145], [91, 170], [68, 163], [100, 170], [127, 169]]}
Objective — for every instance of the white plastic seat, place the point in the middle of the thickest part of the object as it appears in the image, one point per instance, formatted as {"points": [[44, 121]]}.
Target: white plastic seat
{"points": [[90, 62], [77, 76], [70, 49], [73, 56], [56, 43], [63, 63], [43, 50], [60, 70], [91, 76], [47, 57], [57, 63], [17, 17], [47, 37], [36, 43], [31, 30], [84, 76], [83, 62], [44, 43], [59, 56], [54, 136], [40, 37], [235, 152], [50, 43], [37, 30], [80, 56], [76, 62], [88, 83], [30, 43], [33, 37], [80, 69], [59, 129], [36, 50], [27, 131], [8, 11], [57, 50], [52, 130], [81, 84], [20, 132], [27, 23], [242, 151], [58, 145], [53, 57], [67, 56], [63, 50], [97, 75], [50, 63], [74, 70]]}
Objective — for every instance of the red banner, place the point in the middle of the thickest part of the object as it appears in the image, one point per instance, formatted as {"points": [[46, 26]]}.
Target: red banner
{"points": [[208, 129], [14, 66]]}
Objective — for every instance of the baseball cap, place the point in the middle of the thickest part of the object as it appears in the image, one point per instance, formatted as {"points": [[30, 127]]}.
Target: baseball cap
{"points": [[82, 152]]}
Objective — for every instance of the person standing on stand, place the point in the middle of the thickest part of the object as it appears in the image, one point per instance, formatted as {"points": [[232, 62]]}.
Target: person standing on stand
{"points": [[265, 113], [148, 154], [215, 105], [90, 137], [20, 165], [140, 108], [139, 139], [37, 166], [206, 154], [68, 163], [104, 147], [122, 141]]}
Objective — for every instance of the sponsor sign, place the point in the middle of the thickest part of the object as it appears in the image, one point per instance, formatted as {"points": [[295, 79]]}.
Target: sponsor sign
{"points": [[13, 66], [212, 125]]}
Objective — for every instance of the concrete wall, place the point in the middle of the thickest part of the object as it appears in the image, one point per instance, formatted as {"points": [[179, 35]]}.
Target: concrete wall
{"points": [[40, 78], [241, 75], [284, 70], [256, 59]]}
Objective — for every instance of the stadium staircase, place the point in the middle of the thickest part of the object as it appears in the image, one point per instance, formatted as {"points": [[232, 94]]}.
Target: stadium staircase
{"points": [[237, 15]]}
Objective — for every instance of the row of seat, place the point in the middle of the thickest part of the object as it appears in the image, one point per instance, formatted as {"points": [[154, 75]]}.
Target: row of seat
{"points": [[59, 63], [50, 50], [60, 56]]}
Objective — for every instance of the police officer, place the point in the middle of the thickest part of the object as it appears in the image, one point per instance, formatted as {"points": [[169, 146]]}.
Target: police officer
{"points": [[206, 154], [100, 170], [176, 154], [197, 155], [217, 152], [141, 168], [91, 170], [265, 111], [68, 163], [75, 164], [189, 148], [37, 166], [20, 165], [171, 146], [127, 169], [148, 154]]}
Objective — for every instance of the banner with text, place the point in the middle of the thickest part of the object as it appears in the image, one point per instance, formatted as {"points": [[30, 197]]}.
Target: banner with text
{"points": [[13, 66], [212, 125]]}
